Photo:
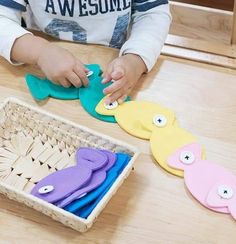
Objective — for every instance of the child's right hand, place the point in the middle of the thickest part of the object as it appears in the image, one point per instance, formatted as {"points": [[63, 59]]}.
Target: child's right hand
{"points": [[61, 67]]}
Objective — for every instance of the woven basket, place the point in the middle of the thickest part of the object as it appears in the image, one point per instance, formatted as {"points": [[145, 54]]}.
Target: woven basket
{"points": [[34, 143]]}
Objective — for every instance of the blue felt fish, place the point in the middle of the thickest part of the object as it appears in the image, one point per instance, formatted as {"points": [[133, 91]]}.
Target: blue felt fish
{"points": [[84, 206]]}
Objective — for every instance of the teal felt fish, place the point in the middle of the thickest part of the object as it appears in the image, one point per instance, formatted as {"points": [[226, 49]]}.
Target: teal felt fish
{"points": [[44, 88], [90, 97]]}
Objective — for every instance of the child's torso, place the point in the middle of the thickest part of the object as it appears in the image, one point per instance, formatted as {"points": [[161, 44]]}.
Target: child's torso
{"points": [[87, 21]]}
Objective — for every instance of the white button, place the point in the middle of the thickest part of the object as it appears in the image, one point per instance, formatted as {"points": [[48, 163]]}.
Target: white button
{"points": [[46, 189], [187, 157], [225, 192], [89, 73], [160, 120], [111, 106]]}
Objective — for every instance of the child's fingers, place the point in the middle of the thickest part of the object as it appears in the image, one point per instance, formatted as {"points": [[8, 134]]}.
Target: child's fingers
{"points": [[64, 82], [106, 78], [113, 87], [114, 96], [107, 75], [80, 72], [81, 65], [127, 89], [74, 79], [122, 99], [86, 70]]}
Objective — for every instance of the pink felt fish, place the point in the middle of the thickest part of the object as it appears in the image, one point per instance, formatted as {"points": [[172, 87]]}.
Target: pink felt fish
{"points": [[223, 194], [200, 175]]}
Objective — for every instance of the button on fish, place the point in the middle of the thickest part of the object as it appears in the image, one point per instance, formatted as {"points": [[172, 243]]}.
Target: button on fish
{"points": [[138, 118]]}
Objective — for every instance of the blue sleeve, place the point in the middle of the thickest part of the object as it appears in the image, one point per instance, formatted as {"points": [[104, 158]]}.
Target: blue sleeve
{"points": [[13, 4], [145, 5]]}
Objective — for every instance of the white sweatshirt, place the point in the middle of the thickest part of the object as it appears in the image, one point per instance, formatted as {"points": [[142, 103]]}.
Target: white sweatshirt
{"points": [[105, 22]]}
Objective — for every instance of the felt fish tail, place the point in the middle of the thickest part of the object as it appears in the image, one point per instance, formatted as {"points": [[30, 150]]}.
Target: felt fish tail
{"points": [[37, 87], [232, 208]]}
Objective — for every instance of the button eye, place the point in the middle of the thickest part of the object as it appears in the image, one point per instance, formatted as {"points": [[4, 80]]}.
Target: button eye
{"points": [[225, 192], [159, 120], [111, 106], [46, 189], [89, 73], [187, 157]]}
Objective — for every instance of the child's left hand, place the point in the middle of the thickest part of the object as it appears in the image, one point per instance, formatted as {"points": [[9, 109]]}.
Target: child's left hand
{"points": [[125, 71]]}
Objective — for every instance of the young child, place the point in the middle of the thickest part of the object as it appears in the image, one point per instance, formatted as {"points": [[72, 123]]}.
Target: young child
{"points": [[105, 22]]}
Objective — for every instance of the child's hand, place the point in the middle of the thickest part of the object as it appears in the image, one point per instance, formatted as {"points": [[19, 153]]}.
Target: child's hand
{"points": [[61, 67], [125, 71]]}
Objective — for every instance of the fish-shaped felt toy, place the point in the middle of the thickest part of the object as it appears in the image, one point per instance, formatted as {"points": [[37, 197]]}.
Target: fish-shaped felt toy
{"points": [[44, 88], [121, 162], [138, 118], [87, 210], [63, 183], [165, 142], [200, 176], [223, 195], [96, 180], [90, 97]]}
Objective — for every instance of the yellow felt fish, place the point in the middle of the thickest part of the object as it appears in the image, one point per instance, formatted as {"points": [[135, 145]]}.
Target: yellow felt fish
{"points": [[138, 118], [166, 142]]}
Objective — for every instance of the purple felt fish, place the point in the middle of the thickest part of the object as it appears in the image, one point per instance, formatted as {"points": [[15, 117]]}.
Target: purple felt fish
{"points": [[97, 179], [63, 183]]}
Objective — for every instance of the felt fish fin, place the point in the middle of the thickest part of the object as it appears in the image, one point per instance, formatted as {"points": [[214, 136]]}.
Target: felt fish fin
{"points": [[93, 158], [37, 87], [185, 156], [222, 194]]}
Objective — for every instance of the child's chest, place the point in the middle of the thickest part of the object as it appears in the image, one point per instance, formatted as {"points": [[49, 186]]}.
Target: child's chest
{"points": [[81, 8]]}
